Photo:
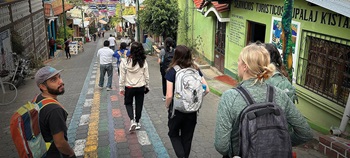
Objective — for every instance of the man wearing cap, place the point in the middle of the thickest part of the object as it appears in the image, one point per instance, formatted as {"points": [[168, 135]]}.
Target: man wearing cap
{"points": [[106, 59], [53, 117]]}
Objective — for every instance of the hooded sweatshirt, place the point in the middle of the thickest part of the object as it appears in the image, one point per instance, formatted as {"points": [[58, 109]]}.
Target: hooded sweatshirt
{"points": [[133, 76]]}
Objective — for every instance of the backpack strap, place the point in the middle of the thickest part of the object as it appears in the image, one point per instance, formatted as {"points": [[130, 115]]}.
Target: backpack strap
{"points": [[245, 94], [270, 93], [48, 101], [45, 102], [177, 68]]}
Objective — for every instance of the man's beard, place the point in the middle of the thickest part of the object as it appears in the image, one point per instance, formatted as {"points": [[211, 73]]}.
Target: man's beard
{"points": [[55, 91]]}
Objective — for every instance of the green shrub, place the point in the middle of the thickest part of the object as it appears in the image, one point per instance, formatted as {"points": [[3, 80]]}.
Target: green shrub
{"points": [[60, 41]]}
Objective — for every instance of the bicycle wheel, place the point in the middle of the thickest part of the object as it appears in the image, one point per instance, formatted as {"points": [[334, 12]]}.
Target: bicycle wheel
{"points": [[8, 93]]}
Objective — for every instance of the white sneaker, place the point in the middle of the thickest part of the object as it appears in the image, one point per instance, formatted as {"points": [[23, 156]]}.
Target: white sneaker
{"points": [[108, 89], [133, 125], [138, 126], [163, 98]]}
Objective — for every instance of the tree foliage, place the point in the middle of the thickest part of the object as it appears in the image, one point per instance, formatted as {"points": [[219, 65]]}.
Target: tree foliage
{"points": [[160, 17], [118, 17]]}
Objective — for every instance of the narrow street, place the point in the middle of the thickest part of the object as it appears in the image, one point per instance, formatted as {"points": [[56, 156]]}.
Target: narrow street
{"points": [[98, 122]]}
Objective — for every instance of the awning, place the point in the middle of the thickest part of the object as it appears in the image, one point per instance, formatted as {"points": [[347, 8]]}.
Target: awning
{"points": [[102, 21], [130, 18], [79, 23], [339, 6]]}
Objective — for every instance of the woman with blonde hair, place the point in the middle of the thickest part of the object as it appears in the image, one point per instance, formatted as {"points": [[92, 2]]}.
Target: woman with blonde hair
{"points": [[254, 68]]}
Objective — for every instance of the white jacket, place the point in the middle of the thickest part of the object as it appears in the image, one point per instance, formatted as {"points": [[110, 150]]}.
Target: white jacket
{"points": [[133, 76]]}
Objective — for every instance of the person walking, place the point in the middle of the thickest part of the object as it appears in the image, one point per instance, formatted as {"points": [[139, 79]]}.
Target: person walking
{"points": [[134, 83], [181, 125], [280, 78], [53, 117], [112, 42], [165, 56], [52, 47], [66, 48], [254, 69], [123, 52], [106, 58], [94, 37]]}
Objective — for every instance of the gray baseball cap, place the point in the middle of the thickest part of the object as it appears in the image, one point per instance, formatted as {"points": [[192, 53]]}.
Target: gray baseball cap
{"points": [[44, 74]]}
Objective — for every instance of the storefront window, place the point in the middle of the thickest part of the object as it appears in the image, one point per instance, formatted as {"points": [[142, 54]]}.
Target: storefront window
{"points": [[325, 67]]}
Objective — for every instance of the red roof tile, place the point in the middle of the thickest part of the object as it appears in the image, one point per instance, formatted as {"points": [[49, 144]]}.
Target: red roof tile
{"points": [[198, 3], [221, 7]]}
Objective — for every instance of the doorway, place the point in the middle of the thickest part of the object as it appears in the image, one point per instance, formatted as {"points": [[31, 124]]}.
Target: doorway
{"points": [[219, 49], [256, 32]]}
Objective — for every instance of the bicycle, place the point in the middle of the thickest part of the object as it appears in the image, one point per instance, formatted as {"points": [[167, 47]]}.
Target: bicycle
{"points": [[8, 93]]}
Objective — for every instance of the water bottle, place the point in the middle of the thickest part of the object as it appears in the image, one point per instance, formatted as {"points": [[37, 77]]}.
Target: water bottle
{"points": [[204, 87]]}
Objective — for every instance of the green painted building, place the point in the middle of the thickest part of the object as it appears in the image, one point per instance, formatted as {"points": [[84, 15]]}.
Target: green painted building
{"points": [[321, 46]]}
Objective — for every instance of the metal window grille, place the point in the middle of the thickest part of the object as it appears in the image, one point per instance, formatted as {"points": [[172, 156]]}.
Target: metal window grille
{"points": [[324, 66], [220, 35]]}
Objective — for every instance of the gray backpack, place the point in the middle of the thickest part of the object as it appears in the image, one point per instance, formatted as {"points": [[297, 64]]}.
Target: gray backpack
{"points": [[188, 92], [263, 128]]}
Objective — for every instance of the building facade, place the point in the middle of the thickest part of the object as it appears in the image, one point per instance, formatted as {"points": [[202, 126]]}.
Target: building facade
{"points": [[321, 46], [25, 20]]}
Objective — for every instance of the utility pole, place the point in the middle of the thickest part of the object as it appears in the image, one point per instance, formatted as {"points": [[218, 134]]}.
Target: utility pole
{"points": [[64, 20], [138, 21], [82, 20], [121, 18]]}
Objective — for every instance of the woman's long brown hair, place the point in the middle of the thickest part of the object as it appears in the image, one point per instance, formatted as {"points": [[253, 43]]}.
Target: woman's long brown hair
{"points": [[182, 57]]}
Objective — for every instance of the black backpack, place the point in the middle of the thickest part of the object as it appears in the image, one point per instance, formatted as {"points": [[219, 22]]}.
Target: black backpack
{"points": [[263, 128], [167, 59]]}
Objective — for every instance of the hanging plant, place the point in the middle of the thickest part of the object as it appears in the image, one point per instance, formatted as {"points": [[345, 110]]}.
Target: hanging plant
{"points": [[16, 43]]}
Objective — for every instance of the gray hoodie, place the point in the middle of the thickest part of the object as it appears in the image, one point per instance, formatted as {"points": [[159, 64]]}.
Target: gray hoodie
{"points": [[133, 76]]}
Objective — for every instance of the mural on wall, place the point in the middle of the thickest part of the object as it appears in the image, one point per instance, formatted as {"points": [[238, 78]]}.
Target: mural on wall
{"points": [[5, 51], [276, 37]]}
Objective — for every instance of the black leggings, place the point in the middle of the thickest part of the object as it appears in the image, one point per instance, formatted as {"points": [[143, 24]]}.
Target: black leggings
{"points": [[162, 72], [181, 129], [67, 53], [138, 93]]}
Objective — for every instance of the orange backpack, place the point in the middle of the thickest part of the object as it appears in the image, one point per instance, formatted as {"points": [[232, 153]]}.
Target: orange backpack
{"points": [[25, 129]]}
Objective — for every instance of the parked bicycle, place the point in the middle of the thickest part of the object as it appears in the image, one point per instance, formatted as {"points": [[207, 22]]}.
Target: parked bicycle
{"points": [[8, 93]]}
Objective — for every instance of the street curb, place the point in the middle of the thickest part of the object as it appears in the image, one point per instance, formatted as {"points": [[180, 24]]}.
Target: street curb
{"points": [[215, 91]]}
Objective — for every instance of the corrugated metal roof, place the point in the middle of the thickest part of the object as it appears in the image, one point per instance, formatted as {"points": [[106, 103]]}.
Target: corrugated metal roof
{"points": [[339, 6], [130, 18], [59, 10]]}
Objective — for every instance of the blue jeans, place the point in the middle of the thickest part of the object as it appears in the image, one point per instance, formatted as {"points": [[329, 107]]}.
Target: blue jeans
{"points": [[103, 69]]}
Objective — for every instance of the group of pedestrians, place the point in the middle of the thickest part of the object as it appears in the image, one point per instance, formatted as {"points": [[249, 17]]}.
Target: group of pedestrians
{"points": [[263, 75], [258, 65]]}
